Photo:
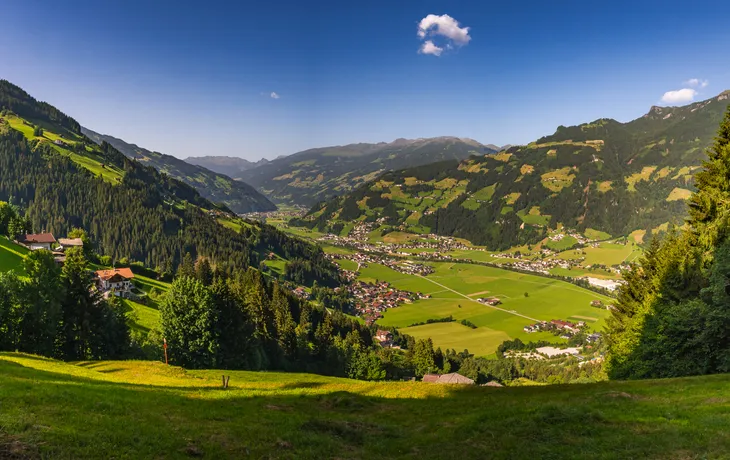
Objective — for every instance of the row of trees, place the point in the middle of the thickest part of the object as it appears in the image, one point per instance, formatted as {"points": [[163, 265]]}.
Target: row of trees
{"points": [[55, 312], [244, 321]]}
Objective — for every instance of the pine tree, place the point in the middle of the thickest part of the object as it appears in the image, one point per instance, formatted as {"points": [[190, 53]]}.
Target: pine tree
{"points": [[203, 271], [187, 267], [41, 304]]}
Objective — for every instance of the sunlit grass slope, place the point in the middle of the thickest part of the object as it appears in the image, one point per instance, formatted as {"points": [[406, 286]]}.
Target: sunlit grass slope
{"points": [[137, 410]]}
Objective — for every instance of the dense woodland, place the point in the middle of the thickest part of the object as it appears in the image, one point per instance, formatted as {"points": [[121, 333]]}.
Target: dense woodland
{"points": [[148, 217], [673, 317]]}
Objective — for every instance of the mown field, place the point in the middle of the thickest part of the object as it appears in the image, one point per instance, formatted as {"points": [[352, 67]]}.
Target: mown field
{"points": [[546, 299], [134, 410]]}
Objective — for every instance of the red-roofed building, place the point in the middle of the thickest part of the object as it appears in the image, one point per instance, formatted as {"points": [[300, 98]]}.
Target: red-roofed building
{"points": [[38, 241], [118, 280]]}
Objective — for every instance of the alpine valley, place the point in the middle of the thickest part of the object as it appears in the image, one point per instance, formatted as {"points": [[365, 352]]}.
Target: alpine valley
{"points": [[608, 176], [310, 176]]}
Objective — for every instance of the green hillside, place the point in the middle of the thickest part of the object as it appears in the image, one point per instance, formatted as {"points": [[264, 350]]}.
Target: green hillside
{"points": [[11, 255], [132, 409], [218, 188], [605, 175], [130, 211], [307, 177]]}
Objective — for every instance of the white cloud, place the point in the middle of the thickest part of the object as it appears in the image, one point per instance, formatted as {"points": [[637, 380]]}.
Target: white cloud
{"points": [[274, 95], [442, 26], [696, 82], [429, 48], [680, 96]]}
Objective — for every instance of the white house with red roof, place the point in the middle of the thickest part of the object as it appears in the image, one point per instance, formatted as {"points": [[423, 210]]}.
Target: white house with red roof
{"points": [[118, 281]]}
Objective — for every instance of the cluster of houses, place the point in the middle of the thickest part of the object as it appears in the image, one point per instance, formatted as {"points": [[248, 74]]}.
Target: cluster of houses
{"points": [[371, 300], [566, 328], [116, 282], [46, 241], [363, 259], [358, 238]]}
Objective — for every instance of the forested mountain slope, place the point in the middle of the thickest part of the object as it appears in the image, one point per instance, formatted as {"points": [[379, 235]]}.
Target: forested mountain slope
{"points": [[63, 180], [219, 188], [313, 175], [606, 175], [230, 166]]}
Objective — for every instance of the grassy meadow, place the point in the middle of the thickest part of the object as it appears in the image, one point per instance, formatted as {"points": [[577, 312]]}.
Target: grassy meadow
{"points": [[132, 410], [454, 289], [11, 255]]}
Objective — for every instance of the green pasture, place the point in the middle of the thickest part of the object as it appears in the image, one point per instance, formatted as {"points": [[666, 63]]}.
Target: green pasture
{"points": [[546, 299], [11, 255], [481, 341], [138, 409]]}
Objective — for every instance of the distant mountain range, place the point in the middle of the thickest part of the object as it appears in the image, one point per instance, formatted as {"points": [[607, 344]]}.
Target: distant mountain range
{"points": [[314, 175], [604, 175], [238, 196], [230, 166]]}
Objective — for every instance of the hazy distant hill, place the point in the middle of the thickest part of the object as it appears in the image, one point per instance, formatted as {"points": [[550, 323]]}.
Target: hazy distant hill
{"points": [[238, 196], [605, 175], [316, 174], [230, 166]]}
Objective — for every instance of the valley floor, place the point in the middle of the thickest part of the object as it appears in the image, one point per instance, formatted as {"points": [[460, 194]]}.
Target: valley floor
{"points": [[130, 409]]}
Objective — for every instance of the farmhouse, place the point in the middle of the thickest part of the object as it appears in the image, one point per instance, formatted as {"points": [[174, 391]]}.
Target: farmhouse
{"points": [[448, 379], [564, 325], [382, 336], [491, 301], [70, 243], [118, 281], [301, 293], [37, 241]]}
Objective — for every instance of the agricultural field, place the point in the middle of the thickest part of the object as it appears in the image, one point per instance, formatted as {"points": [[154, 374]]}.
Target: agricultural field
{"points": [[137, 409], [11, 255], [481, 341], [454, 289], [607, 253]]}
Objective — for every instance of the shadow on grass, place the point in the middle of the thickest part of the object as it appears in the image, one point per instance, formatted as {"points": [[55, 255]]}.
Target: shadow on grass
{"points": [[300, 385], [98, 419]]}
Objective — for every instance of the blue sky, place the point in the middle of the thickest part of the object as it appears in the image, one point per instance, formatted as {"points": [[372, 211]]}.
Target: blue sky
{"points": [[196, 78]]}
